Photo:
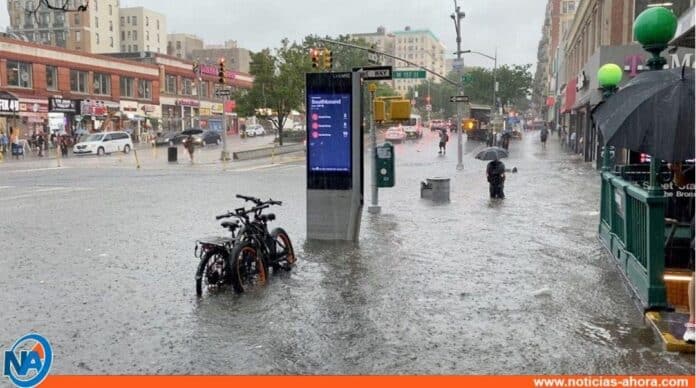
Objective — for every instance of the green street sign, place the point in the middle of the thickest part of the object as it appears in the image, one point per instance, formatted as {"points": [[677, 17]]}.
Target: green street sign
{"points": [[467, 78], [409, 74]]}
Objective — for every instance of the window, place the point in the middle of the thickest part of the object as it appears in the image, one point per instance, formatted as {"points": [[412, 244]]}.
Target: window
{"points": [[127, 86], [123, 48], [158, 24], [147, 35], [135, 35], [144, 89], [123, 35], [78, 36], [129, 34], [569, 6], [111, 26], [111, 41], [158, 38], [111, 11], [123, 21], [96, 22], [59, 20], [96, 5], [77, 19], [178, 45], [204, 90], [135, 20], [147, 21], [148, 48], [102, 84], [44, 37], [78, 81], [135, 48], [97, 37], [187, 88], [19, 74], [130, 48], [170, 84]]}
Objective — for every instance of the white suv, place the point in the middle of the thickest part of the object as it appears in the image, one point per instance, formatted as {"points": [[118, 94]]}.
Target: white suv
{"points": [[104, 143]]}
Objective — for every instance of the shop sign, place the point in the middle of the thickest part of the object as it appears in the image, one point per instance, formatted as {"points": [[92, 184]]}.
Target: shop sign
{"points": [[636, 63], [213, 71], [129, 106], [149, 108], [205, 112], [59, 105], [217, 109], [183, 102], [7, 105], [93, 108], [582, 80], [32, 107]]}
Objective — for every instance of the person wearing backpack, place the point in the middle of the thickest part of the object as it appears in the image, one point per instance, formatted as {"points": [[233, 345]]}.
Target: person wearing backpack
{"points": [[444, 138]]}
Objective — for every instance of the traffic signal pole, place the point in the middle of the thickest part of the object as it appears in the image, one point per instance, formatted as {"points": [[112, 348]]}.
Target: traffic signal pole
{"points": [[375, 208], [225, 155], [457, 17]]}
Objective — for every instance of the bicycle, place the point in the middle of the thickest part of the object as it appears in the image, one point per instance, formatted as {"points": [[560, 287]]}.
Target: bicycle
{"points": [[254, 242], [213, 253]]}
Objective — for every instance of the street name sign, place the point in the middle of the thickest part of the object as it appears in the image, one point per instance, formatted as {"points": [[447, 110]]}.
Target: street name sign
{"points": [[467, 78], [377, 73], [459, 99], [409, 74]]}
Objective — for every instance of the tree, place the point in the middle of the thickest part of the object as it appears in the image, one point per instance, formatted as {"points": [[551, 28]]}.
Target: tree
{"points": [[279, 83], [344, 58], [33, 7]]}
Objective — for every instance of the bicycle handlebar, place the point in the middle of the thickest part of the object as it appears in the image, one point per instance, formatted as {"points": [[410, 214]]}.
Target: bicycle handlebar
{"points": [[228, 215], [249, 199]]}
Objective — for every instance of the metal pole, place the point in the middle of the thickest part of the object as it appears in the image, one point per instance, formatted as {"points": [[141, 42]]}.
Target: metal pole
{"points": [[225, 156], [460, 139], [375, 208], [200, 87], [495, 82]]}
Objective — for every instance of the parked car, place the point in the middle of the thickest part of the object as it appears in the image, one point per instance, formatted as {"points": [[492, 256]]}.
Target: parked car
{"points": [[205, 138], [179, 139], [165, 138], [395, 134], [104, 143], [439, 125], [413, 132], [255, 130]]}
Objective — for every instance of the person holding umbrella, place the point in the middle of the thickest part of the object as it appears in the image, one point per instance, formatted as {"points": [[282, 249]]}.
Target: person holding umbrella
{"points": [[495, 172], [444, 138]]}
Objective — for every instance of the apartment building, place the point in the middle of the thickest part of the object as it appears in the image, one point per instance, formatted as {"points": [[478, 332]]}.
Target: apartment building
{"points": [[236, 58], [142, 30], [182, 45], [94, 31]]}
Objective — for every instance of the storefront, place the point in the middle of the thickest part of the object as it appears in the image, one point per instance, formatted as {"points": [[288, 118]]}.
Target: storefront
{"points": [[98, 115], [61, 114], [189, 111], [33, 114], [9, 112]]}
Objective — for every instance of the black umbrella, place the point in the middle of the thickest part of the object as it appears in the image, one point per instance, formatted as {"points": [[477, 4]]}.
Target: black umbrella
{"points": [[492, 153], [653, 114]]}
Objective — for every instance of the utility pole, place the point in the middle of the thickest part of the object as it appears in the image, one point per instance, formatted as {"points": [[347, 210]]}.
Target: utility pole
{"points": [[457, 18], [375, 208], [197, 68], [225, 155]]}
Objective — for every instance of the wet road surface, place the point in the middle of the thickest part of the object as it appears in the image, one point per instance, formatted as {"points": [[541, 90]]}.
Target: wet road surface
{"points": [[100, 260]]}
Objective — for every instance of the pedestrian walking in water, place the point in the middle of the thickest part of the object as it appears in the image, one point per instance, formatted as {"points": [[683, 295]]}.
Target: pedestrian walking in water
{"points": [[444, 138], [544, 137], [188, 144], [495, 172]]}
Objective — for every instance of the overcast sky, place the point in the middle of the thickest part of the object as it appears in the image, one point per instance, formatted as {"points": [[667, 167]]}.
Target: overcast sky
{"points": [[511, 25]]}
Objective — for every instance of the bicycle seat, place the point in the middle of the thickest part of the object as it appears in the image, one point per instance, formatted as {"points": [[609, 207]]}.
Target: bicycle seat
{"points": [[267, 217], [230, 224]]}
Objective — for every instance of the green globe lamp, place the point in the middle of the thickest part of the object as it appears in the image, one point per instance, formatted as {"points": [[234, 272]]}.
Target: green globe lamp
{"points": [[609, 77], [654, 28]]}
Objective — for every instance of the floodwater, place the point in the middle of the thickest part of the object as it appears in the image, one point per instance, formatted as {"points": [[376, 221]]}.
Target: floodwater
{"points": [[101, 263]]}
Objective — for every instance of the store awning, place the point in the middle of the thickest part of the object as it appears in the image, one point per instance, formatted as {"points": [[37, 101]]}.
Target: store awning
{"points": [[684, 37], [571, 95], [9, 104]]}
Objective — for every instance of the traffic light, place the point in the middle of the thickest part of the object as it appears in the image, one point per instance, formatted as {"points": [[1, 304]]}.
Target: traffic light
{"points": [[195, 67], [314, 55], [221, 71], [328, 59]]}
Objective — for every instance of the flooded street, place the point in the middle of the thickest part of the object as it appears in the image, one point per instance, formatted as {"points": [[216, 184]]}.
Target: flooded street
{"points": [[100, 261]]}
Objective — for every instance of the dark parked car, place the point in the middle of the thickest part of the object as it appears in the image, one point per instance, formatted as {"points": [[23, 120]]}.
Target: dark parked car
{"points": [[165, 138], [201, 138]]}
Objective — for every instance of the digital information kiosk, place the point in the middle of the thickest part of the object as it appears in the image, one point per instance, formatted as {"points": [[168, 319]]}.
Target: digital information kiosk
{"points": [[334, 156]]}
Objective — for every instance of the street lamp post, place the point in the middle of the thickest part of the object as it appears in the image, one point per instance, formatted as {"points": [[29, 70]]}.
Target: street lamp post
{"points": [[457, 18], [654, 28], [609, 77], [495, 75]]}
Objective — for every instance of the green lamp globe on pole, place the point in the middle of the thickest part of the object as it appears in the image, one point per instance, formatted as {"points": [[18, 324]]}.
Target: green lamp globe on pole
{"points": [[609, 77], [654, 28]]}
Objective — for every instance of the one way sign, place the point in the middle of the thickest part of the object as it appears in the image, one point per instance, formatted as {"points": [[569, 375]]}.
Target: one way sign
{"points": [[459, 99]]}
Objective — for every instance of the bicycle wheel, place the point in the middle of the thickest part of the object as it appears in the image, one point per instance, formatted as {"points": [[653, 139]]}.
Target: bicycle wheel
{"points": [[212, 271], [283, 251], [248, 268]]}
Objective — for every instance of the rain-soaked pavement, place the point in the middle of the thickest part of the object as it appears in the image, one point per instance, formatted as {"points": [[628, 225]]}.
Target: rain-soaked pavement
{"points": [[100, 261]]}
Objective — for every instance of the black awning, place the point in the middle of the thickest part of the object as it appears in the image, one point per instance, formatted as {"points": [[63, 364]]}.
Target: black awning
{"points": [[8, 96]]}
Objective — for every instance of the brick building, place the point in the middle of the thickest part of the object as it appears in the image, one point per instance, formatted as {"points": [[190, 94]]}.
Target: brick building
{"points": [[73, 90]]}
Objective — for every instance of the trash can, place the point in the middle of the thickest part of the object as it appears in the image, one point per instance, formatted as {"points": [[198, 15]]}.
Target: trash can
{"points": [[436, 189], [172, 154]]}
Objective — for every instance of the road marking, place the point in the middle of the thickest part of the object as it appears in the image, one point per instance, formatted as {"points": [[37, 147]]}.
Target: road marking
{"points": [[48, 191], [36, 170], [285, 163]]}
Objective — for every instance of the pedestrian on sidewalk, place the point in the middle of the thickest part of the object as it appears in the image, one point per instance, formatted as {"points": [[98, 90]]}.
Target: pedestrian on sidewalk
{"points": [[40, 144], [3, 142], [444, 138], [544, 137], [495, 173]]}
